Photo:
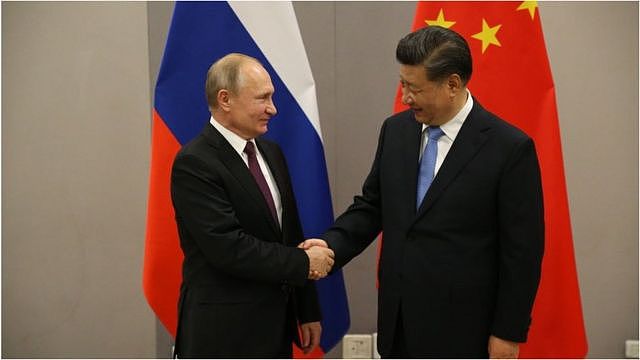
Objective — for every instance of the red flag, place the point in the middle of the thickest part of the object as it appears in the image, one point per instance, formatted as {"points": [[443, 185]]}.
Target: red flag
{"points": [[512, 78], [162, 256]]}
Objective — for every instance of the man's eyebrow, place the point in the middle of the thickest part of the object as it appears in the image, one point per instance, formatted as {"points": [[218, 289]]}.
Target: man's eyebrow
{"points": [[406, 81], [409, 83]]}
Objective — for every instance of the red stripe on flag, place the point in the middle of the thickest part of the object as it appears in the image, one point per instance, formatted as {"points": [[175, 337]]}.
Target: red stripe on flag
{"points": [[162, 257], [317, 353]]}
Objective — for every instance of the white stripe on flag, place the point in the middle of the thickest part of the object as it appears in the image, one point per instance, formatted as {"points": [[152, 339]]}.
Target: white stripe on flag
{"points": [[274, 28]]}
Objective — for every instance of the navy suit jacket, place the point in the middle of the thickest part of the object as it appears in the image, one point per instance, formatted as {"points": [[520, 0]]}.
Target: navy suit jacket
{"points": [[466, 264]]}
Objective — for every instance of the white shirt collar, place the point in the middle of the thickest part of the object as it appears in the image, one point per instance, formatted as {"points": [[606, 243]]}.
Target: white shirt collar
{"points": [[452, 127], [238, 144], [236, 141]]}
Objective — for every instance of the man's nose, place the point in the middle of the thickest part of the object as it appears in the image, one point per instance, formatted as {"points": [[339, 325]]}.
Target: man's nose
{"points": [[271, 108], [406, 99]]}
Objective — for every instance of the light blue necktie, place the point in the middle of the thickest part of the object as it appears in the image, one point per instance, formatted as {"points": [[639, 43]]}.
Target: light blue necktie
{"points": [[428, 163]]}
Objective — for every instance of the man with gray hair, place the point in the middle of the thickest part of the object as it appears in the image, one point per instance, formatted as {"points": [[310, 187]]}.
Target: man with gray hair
{"points": [[246, 286]]}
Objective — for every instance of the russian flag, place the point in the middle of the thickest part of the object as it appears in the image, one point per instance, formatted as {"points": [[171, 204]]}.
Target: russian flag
{"points": [[200, 33]]}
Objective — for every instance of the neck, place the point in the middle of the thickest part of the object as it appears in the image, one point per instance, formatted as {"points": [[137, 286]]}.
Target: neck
{"points": [[223, 119], [457, 103]]}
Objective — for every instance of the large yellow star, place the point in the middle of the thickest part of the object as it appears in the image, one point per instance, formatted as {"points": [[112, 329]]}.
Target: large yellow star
{"points": [[487, 35], [529, 5], [440, 21]]}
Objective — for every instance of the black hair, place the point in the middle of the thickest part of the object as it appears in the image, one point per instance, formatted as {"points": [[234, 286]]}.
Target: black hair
{"points": [[442, 52]]}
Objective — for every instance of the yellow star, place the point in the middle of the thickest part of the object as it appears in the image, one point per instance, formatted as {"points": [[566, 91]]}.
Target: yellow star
{"points": [[440, 21], [529, 5], [487, 35]]}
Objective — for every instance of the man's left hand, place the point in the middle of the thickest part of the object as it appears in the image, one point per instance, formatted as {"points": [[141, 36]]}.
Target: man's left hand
{"points": [[310, 336], [502, 349]]}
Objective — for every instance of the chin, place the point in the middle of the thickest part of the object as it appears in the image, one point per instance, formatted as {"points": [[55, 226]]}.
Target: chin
{"points": [[422, 120], [419, 118], [262, 130]]}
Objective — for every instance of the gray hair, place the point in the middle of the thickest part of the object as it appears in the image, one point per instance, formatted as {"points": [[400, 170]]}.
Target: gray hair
{"points": [[225, 74]]}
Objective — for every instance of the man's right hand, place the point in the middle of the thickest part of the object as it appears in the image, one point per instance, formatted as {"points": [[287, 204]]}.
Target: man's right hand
{"points": [[312, 242], [320, 261]]}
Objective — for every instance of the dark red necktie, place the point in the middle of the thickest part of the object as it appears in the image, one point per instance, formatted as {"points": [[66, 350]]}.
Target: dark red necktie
{"points": [[254, 167]]}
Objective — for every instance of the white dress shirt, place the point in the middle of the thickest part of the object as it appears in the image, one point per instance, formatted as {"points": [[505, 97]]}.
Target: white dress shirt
{"points": [[238, 144], [450, 129]]}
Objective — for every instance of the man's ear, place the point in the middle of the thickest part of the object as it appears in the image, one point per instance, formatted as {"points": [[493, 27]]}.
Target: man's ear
{"points": [[224, 100], [454, 84]]}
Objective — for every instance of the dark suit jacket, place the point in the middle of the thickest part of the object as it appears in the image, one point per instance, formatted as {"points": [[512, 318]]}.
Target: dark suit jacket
{"points": [[244, 282], [467, 263]]}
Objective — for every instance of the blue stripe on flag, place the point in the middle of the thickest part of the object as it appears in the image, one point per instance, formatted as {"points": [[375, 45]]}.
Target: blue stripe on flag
{"points": [[202, 32]]}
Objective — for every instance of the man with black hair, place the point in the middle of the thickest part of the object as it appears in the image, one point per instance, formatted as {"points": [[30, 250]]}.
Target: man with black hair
{"points": [[457, 193]]}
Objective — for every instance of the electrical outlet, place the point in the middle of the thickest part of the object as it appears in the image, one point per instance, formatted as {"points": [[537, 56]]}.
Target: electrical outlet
{"points": [[631, 349], [356, 346]]}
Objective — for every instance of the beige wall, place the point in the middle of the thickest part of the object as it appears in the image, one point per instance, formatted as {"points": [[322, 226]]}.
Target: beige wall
{"points": [[75, 149], [75, 153]]}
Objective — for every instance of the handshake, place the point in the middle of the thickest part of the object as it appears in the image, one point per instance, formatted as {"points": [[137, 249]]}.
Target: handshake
{"points": [[320, 257]]}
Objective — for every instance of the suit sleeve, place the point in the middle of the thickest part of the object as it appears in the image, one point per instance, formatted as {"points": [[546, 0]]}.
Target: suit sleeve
{"points": [[521, 242], [308, 307], [306, 296], [359, 225], [203, 208]]}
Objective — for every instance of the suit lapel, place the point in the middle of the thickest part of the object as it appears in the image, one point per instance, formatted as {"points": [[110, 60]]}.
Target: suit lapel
{"points": [[236, 166], [470, 139], [412, 137]]}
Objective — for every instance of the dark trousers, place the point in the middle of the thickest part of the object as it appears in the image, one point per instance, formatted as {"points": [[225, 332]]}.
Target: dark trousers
{"points": [[399, 347]]}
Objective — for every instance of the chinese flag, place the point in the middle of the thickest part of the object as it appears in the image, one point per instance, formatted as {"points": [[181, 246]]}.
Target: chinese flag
{"points": [[512, 78]]}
